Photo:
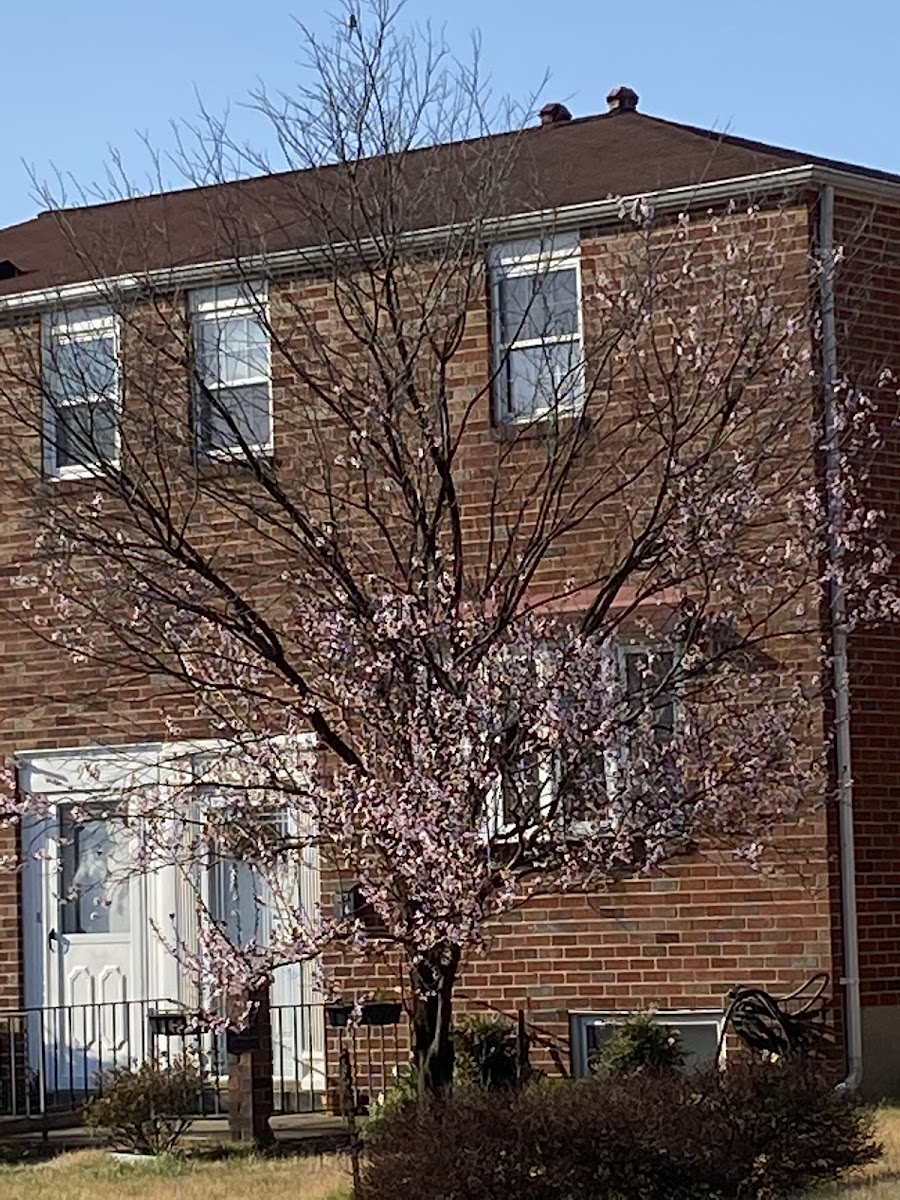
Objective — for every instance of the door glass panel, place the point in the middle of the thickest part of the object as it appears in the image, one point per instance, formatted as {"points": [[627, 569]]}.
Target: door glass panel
{"points": [[241, 901], [234, 901], [95, 893]]}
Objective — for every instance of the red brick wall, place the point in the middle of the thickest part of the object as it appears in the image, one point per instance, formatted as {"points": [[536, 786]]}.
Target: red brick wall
{"points": [[679, 939], [868, 323]]}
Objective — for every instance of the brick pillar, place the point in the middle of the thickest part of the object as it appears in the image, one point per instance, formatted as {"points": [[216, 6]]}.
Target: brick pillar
{"points": [[251, 1097]]}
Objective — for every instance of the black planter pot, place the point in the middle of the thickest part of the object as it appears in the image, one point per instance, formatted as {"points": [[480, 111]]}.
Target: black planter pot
{"points": [[241, 1041], [167, 1024], [338, 1015], [377, 1012], [381, 1012]]}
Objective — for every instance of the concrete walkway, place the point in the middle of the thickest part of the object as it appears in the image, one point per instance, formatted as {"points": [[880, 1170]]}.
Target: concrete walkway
{"points": [[308, 1132]]}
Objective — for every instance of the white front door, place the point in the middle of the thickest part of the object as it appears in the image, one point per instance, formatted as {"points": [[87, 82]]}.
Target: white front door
{"points": [[95, 944], [87, 949]]}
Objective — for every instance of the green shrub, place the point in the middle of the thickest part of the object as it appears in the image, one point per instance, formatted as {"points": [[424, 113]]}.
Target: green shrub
{"points": [[486, 1051], [147, 1109], [486, 1055], [757, 1131], [402, 1092], [639, 1043]]}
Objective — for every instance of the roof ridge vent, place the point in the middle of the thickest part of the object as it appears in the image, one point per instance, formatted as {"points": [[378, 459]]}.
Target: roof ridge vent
{"points": [[622, 99], [555, 114]]}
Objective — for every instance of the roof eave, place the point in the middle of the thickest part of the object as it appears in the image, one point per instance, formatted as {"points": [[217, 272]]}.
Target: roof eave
{"points": [[597, 212]]}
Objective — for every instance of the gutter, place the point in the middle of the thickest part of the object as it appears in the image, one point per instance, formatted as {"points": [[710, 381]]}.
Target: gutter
{"points": [[576, 216], [840, 670]]}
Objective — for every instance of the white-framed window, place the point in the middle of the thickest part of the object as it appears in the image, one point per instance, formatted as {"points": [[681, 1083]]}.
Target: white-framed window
{"points": [[537, 328], [646, 673], [82, 390], [698, 1031], [233, 380], [525, 796]]}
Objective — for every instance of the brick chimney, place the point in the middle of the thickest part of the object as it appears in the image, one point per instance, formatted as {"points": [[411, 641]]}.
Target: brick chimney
{"points": [[622, 99], [555, 114]]}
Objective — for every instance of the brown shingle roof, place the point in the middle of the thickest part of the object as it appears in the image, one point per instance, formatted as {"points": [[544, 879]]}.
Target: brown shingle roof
{"points": [[571, 163]]}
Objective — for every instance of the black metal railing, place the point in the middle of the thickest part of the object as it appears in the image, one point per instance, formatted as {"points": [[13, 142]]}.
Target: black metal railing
{"points": [[53, 1060]]}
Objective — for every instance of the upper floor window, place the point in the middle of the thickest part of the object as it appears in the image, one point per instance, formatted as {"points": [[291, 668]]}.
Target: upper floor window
{"points": [[233, 384], [537, 328], [82, 387]]}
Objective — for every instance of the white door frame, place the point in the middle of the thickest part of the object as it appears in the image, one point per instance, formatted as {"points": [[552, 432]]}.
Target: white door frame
{"points": [[83, 774], [59, 778], [87, 985]]}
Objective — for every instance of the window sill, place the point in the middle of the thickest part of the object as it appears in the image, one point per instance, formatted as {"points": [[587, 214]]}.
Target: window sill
{"points": [[62, 474], [213, 461], [231, 453], [541, 425]]}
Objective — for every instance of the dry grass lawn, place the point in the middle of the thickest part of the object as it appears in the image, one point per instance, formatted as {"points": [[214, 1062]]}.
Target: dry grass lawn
{"points": [[881, 1181], [93, 1175]]}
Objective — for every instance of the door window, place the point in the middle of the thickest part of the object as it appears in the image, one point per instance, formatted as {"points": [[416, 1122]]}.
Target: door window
{"points": [[94, 878]]}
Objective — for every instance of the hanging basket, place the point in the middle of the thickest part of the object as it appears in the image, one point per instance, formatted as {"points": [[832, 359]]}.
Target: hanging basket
{"points": [[338, 1015], [168, 1024], [376, 1012], [381, 1012]]}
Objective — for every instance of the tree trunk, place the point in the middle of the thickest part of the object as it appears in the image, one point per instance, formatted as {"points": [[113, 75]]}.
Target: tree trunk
{"points": [[433, 980]]}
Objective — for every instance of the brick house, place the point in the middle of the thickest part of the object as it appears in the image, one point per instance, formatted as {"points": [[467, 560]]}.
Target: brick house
{"points": [[677, 940]]}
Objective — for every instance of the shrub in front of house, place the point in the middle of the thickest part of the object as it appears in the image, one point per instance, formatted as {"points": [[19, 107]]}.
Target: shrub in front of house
{"points": [[486, 1056], [485, 1050], [754, 1132], [639, 1043], [147, 1109]]}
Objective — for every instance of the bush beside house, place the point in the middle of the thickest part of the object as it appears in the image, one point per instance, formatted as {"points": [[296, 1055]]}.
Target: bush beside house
{"points": [[756, 1132]]}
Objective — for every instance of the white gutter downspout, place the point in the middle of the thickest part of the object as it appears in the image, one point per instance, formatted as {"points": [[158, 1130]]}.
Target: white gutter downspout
{"points": [[840, 670]]}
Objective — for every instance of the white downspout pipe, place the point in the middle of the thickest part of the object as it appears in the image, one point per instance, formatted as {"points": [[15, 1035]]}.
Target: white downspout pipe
{"points": [[840, 670]]}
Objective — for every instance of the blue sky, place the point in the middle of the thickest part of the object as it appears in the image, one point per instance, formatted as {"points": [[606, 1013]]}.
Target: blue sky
{"points": [[80, 76]]}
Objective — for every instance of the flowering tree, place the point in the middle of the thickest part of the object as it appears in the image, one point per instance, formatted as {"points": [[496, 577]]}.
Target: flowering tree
{"points": [[461, 663]]}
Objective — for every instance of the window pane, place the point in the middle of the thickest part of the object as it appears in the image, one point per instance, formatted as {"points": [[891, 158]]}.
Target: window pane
{"points": [[542, 377], [557, 301], [245, 409], [84, 433], [242, 900], [84, 367], [644, 677], [95, 891], [522, 790], [232, 349], [699, 1043], [540, 305], [233, 903], [516, 292], [596, 1035]]}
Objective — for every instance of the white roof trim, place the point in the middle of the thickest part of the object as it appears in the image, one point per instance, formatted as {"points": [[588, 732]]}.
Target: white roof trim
{"points": [[574, 216]]}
